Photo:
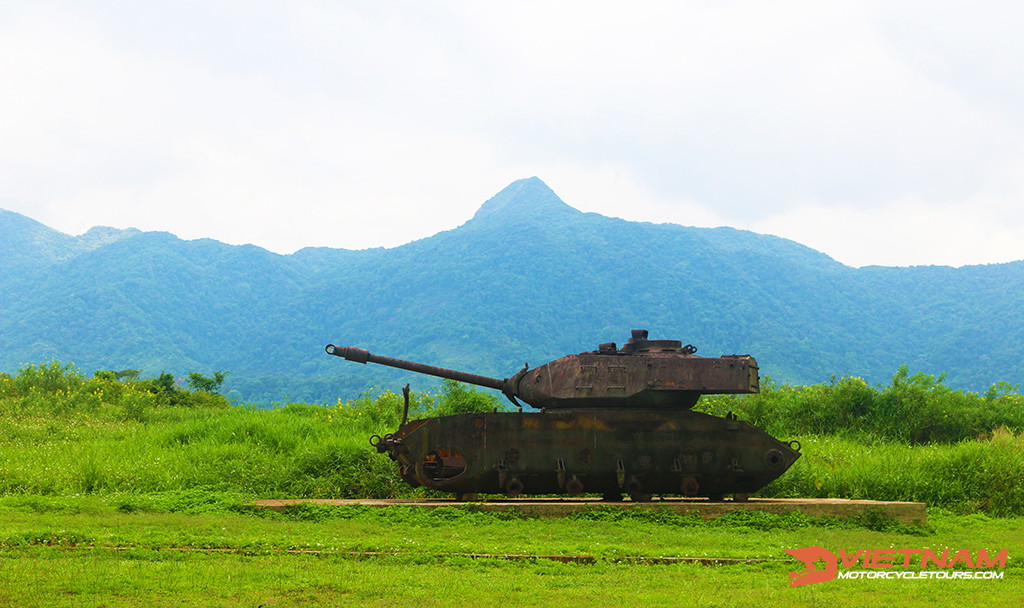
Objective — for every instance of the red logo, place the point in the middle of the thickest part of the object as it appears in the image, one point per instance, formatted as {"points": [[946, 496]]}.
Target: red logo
{"points": [[813, 557]]}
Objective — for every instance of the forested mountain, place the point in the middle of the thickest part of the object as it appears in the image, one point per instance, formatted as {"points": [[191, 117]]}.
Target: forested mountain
{"points": [[528, 278]]}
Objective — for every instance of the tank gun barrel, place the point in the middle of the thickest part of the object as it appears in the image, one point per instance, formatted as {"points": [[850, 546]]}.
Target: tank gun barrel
{"points": [[359, 355]]}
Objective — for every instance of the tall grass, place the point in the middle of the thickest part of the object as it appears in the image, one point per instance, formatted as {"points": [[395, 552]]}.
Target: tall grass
{"points": [[974, 475], [62, 434], [914, 409]]}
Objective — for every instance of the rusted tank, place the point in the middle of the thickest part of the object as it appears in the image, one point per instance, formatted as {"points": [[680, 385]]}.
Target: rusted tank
{"points": [[611, 421]]}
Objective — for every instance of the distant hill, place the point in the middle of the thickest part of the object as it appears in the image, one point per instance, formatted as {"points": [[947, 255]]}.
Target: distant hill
{"points": [[528, 278]]}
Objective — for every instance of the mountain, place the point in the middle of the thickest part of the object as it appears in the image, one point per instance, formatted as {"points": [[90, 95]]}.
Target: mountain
{"points": [[28, 244], [527, 278]]}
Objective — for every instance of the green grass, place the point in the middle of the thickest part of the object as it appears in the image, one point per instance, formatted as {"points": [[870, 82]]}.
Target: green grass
{"points": [[912, 408], [55, 578], [139, 493], [63, 435], [86, 552], [319, 452], [192, 518], [293, 451], [968, 476]]}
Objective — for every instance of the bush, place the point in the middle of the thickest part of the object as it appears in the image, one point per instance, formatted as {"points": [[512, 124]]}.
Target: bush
{"points": [[916, 409], [457, 398], [59, 389]]}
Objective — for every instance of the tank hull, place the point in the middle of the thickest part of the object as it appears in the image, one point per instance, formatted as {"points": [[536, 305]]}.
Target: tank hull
{"points": [[595, 451]]}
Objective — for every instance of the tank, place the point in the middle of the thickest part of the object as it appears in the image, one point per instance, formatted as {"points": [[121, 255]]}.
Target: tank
{"points": [[611, 421]]}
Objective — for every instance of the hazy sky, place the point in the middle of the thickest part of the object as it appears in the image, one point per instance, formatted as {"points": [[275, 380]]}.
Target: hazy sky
{"points": [[885, 132]]}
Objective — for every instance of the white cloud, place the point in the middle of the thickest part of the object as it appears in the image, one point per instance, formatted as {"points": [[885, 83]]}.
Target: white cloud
{"points": [[362, 124], [911, 231]]}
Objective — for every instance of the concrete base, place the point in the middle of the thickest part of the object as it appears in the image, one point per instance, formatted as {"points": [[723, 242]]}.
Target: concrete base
{"points": [[905, 512]]}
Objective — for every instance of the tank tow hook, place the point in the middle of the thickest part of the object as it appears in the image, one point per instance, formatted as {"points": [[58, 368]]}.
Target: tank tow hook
{"points": [[387, 443], [393, 447]]}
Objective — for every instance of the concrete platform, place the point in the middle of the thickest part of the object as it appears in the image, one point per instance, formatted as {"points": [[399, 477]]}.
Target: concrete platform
{"points": [[905, 512]]}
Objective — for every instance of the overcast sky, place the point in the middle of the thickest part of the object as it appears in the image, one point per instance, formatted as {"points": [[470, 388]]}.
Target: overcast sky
{"points": [[887, 133]]}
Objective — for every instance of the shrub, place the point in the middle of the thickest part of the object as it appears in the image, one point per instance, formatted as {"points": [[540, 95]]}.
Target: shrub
{"points": [[915, 409]]}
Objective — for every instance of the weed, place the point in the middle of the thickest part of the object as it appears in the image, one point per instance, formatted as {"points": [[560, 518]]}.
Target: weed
{"points": [[119, 435]]}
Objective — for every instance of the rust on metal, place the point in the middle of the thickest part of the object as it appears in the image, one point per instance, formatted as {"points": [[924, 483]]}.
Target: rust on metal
{"points": [[611, 421]]}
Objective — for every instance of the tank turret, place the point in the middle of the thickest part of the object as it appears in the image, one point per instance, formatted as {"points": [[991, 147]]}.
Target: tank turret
{"points": [[643, 373]]}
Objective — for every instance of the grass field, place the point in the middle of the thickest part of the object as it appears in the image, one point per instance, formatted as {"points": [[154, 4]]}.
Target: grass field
{"points": [[138, 493], [88, 552]]}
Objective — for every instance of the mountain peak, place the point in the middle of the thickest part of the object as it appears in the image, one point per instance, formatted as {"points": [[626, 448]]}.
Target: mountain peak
{"points": [[528, 198], [102, 235]]}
